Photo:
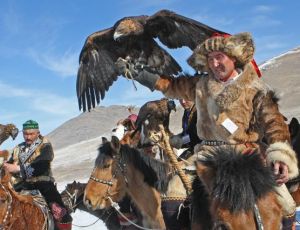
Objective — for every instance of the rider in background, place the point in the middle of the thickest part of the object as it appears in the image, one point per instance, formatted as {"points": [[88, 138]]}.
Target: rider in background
{"points": [[188, 138], [30, 163], [234, 107]]}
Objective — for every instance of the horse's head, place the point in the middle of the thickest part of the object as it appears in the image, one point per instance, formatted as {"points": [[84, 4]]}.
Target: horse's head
{"points": [[73, 194], [151, 115], [106, 179], [6, 131], [236, 185]]}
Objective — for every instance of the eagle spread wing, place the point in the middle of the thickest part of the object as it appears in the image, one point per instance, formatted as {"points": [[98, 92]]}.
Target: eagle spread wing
{"points": [[133, 39]]}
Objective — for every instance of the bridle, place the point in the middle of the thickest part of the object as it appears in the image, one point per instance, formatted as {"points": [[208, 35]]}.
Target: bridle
{"points": [[71, 199], [221, 225], [8, 212], [121, 167]]}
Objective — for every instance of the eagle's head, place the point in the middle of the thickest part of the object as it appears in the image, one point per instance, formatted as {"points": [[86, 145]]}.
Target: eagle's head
{"points": [[12, 130], [7, 131], [128, 27]]}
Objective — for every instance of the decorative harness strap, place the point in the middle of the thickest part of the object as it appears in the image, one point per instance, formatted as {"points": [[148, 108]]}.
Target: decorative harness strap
{"points": [[258, 218], [107, 182], [24, 156]]}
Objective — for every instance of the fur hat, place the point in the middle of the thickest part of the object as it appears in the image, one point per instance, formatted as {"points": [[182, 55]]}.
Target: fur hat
{"points": [[239, 46]]}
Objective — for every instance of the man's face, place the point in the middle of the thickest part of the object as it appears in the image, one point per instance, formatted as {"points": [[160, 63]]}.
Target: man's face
{"points": [[30, 135], [222, 66], [186, 104]]}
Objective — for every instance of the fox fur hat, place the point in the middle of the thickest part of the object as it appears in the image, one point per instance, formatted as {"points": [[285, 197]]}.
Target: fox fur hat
{"points": [[239, 46]]}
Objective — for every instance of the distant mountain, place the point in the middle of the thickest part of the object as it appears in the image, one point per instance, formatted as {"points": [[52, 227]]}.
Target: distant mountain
{"points": [[283, 74], [88, 125]]}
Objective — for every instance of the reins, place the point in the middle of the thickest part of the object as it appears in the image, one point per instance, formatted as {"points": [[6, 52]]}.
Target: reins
{"points": [[72, 200], [117, 208], [8, 212], [121, 166]]}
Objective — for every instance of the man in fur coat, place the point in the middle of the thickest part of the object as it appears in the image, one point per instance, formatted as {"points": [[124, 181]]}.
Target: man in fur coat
{"points": [[234, 106], [30, 163]]}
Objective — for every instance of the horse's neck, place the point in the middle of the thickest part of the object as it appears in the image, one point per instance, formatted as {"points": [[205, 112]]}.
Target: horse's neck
{"points": [[19, 208], [129, 140]]}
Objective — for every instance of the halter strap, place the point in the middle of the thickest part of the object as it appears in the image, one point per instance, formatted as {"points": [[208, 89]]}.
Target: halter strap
{"points": [[107, 182]]}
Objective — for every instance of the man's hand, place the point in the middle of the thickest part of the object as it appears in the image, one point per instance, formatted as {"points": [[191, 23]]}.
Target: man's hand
{"points": [[281, 172], [12, 168], [136, 72], [126, 68]]}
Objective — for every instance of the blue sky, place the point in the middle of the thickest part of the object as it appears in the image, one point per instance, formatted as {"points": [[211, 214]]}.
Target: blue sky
{"points": [[40, 42]]}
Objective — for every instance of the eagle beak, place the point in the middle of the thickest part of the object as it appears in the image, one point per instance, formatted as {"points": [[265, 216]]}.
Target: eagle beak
{"points": [[14, 133], [117, 36]]}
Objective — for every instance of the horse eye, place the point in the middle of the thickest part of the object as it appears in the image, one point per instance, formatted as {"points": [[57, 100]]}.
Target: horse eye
{"points": [[106, 166]]}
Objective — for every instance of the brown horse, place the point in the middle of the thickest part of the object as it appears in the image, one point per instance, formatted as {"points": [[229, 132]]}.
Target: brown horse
{"points": [[72, 197], [236, 192], [19, 212], [6, 131], [121, 170]]}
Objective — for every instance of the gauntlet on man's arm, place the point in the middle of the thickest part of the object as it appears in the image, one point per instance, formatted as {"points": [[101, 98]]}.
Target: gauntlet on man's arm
{"points": [[137, 72]]}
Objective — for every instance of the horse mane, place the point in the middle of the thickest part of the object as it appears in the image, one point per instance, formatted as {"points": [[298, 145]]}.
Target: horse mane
{"points": [[155, 172], [240, 179], [200, 204]]}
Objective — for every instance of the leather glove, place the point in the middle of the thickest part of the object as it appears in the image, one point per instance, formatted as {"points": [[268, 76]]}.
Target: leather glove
{"points": [[137, 72]]}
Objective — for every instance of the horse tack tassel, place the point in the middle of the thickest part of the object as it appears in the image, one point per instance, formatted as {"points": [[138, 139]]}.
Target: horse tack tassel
{"points": [[173, 158]]}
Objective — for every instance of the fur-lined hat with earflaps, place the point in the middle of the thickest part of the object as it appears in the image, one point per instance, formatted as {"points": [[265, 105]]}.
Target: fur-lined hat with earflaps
{"points": [[239, 46]]}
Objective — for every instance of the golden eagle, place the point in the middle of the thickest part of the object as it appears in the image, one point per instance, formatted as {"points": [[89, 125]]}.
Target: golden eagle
{"points": [[6, 131], [133, 39]]}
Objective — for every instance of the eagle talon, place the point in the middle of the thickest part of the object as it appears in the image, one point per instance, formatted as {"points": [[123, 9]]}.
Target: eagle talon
{"points": [[128, 76]]}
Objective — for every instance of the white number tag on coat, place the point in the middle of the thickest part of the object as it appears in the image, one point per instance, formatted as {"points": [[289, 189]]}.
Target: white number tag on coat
{"points": [[229, 125]]}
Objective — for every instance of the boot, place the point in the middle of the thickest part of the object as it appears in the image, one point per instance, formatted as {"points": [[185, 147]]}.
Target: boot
{"points": [[63, 220], [64, 226], [288, 222], [65, 223]]}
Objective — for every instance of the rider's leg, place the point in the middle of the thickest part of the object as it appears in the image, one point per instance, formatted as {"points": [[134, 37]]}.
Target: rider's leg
{"points": [[288, 207], [62, 218]]}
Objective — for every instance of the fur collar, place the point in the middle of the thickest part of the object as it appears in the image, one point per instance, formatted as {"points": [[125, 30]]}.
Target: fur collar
{"points": [[225, 94]]}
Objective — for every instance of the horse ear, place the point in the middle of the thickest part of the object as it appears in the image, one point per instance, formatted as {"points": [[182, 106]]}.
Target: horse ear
{"points": [[104, 140], [115, 144], [205, 174], [5, 176], [294, 126]]}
